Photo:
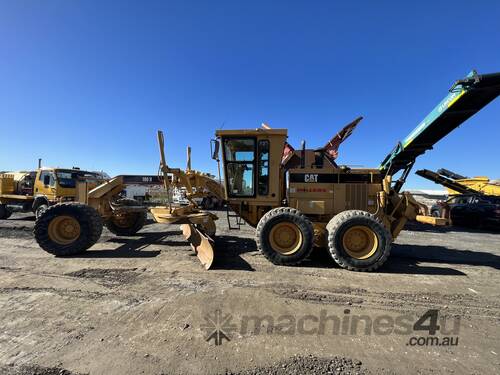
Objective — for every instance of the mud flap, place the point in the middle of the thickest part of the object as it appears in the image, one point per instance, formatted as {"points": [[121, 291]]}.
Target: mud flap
{"points": [[201, 244]]}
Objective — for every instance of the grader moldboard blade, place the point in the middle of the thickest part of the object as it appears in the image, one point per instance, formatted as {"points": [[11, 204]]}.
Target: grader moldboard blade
{"points": [[200, 243], [192, 223]]}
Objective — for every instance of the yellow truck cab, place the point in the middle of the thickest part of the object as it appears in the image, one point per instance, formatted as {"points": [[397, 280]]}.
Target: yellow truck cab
{"points": [[37, 190]]}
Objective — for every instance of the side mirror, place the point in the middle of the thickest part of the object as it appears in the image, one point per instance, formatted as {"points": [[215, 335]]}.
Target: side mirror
{"points": [[46, 180], [214, 148]]}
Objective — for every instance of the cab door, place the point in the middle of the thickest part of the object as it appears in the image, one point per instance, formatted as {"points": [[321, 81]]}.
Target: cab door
{"points": [[45, 184]]}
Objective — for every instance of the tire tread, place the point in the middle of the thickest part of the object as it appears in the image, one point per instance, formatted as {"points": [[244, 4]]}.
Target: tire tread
{"points": [[296, 217], [335, 224], [84, 213]]}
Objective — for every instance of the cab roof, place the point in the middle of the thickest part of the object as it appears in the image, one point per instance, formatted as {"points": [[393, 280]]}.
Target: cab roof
{"points": [[250, 132], [65, 170]]}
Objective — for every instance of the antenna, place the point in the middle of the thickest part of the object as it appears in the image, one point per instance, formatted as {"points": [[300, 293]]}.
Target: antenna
{"points": [[188, 166]]}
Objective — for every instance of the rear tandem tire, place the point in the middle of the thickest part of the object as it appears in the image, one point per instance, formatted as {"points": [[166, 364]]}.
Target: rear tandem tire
{"points": [[68, 228], [358, 241], [4, 212], [127, 224], [285, 236]]}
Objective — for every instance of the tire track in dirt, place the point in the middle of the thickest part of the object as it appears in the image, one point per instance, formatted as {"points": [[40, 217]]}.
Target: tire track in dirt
{"points": [[465, 305]]}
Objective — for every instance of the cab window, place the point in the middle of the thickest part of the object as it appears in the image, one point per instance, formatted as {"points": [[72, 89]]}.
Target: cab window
{"points": [[66, 179], [47, 178], [239, 154], [263, 175]]}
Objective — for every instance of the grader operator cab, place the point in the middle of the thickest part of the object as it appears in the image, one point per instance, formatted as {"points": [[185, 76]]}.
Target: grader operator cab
{"points": [[296, 200]]}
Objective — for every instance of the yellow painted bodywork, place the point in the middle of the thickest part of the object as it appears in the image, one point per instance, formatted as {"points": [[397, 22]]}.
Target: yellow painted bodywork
{"points": [[481, 184], [334, 197], [53, 193], [319, 191], [437, 221]]}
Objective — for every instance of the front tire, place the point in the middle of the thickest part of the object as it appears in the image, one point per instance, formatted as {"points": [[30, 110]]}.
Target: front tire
{"points": [[285, 236], [68, 229], [358, 241]]}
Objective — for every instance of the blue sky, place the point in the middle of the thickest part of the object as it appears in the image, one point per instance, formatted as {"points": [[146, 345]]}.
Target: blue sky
{"points": [[88, 83]]}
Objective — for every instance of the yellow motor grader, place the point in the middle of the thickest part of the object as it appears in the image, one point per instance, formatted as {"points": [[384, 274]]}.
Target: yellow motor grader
{"points": [[71, 228], [300, 199]]}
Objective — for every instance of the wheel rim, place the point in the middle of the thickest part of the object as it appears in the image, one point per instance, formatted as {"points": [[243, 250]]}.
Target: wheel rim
{"points": [[124, 220], [40, 210], [64, 230], [285, 238], [360, 242]]}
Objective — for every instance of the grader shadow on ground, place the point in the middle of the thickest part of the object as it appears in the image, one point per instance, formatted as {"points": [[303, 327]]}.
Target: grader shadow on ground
{"points": [[131, 247], [404, 259], [228, 251], [441, 254], [320, 258]]}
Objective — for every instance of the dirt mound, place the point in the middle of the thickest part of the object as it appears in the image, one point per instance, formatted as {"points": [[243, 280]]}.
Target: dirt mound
{"points": [[300, 365]]}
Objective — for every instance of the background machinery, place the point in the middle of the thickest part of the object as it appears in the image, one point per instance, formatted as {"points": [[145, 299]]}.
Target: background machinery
{"points": [[458, 184], [37, 190], [473, 202]]}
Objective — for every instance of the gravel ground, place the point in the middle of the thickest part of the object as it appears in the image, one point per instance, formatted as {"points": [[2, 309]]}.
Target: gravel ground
{"points": [[299, 365], [144, 304]]}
